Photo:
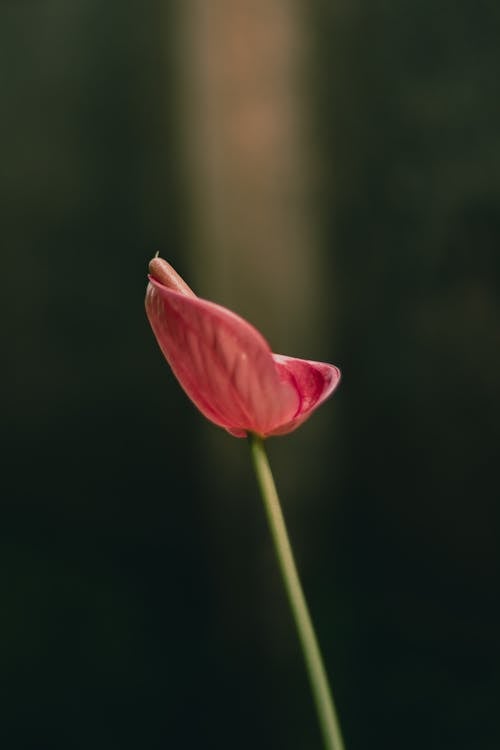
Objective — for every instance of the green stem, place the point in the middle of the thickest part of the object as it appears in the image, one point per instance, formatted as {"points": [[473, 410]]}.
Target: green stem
{"points": [[314, 663]]}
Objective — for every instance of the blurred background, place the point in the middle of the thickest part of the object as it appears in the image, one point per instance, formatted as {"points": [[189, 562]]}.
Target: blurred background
{"points": [[331, 171]]}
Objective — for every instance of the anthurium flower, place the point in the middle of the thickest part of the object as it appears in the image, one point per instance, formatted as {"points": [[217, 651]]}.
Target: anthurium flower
{"points": [[225, 365]]}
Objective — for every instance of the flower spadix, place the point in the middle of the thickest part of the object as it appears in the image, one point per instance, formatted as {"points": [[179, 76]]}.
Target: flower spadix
{"points": [[225, 365]]}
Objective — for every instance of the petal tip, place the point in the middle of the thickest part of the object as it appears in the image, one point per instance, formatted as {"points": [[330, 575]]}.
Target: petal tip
{"points": [[163, 273]]}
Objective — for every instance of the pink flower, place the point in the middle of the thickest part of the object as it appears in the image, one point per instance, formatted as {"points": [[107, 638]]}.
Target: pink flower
{"points": [[226, 367]]}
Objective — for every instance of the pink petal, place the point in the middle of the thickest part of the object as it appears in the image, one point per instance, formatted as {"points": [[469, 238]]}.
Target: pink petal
{"points": [[314, 382], [224, 364]]}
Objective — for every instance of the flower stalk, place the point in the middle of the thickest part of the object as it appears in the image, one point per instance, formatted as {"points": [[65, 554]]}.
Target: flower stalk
{"points": [[322, 695]]}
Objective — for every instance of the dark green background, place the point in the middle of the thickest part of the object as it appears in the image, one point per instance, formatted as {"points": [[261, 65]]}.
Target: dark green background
{"points": [[140, 603]]}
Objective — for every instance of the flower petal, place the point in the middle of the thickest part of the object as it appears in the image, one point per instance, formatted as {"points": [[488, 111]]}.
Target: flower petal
{"points": [[314, 382], [223, 363]]}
